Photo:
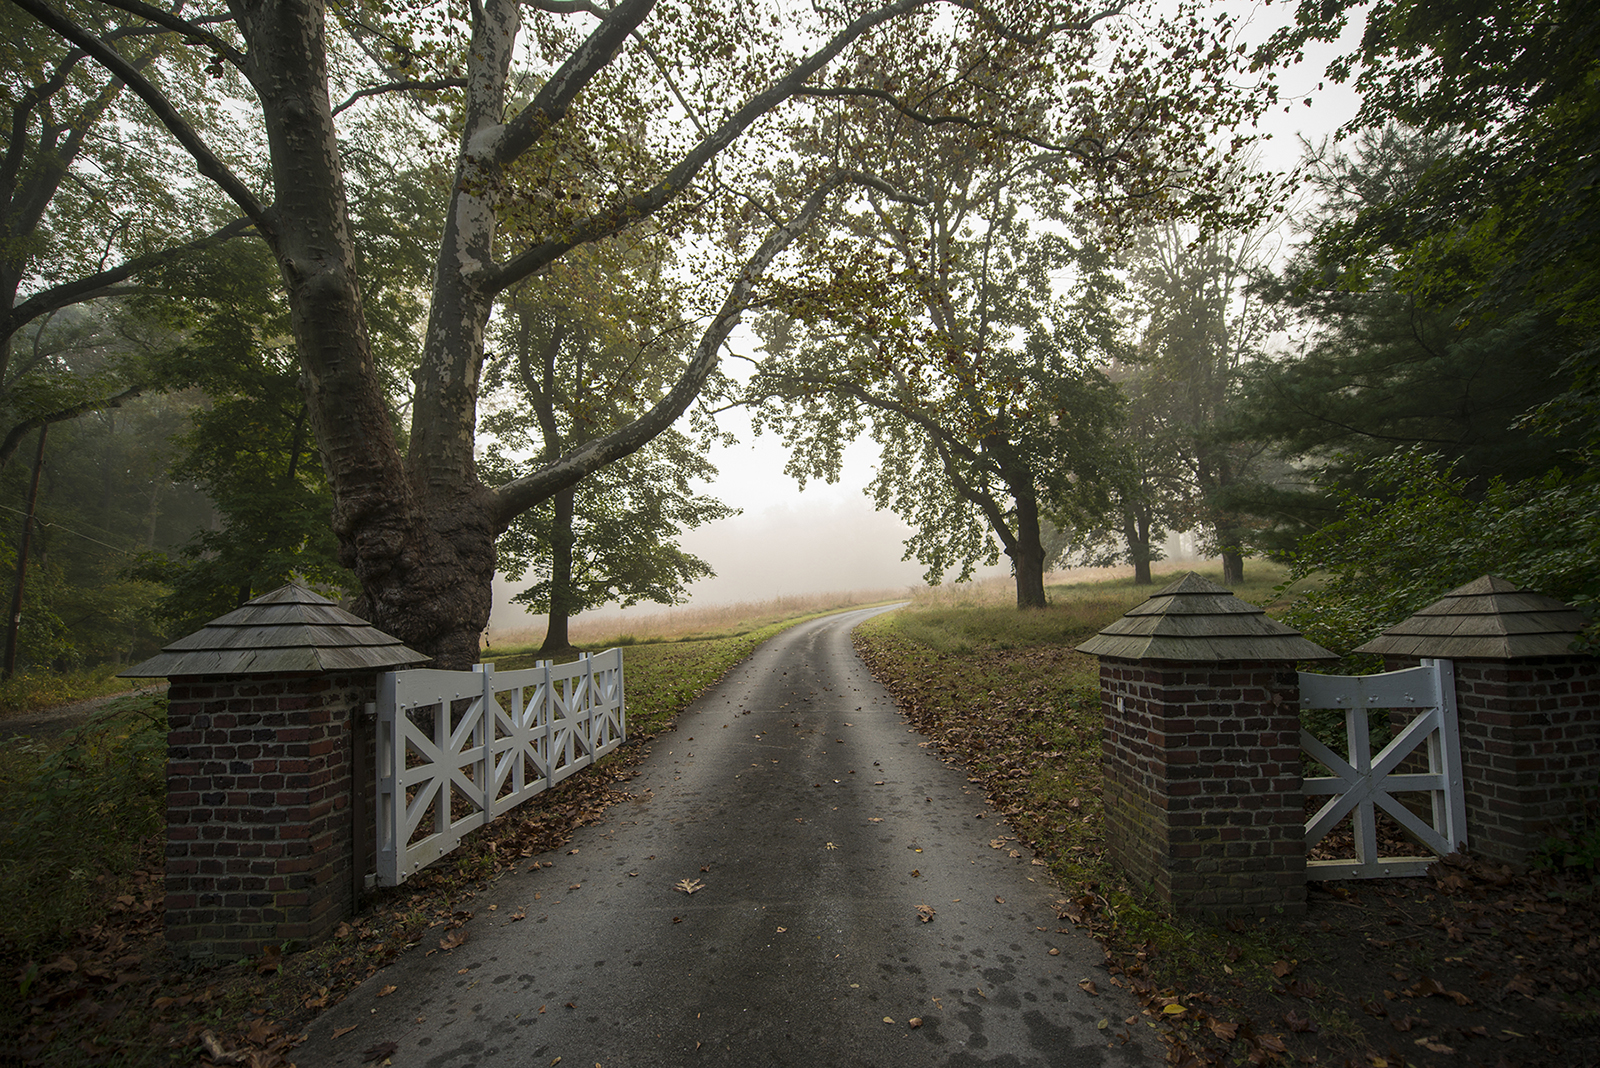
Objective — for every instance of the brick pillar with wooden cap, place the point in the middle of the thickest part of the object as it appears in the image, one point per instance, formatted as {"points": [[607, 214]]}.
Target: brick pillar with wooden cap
{"points": [[1201, 751], [262, 771], [1527, 704]]}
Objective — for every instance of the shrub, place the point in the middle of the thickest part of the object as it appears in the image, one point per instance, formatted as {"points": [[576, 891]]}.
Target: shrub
{"points": [[73, 814]]}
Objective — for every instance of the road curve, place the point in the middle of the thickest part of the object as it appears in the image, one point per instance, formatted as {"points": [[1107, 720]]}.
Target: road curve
{"points": [[817, 823]]}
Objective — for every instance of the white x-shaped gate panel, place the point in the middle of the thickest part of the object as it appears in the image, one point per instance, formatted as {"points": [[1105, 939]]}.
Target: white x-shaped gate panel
{"points": [[1361, 783], [458, 748]]}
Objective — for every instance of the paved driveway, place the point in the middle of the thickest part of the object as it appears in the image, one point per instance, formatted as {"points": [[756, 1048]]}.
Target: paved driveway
{"points": [[817, 826]]}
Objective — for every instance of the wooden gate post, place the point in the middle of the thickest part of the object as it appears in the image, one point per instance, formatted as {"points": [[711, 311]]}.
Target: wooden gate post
{"points": [[1201, 751], [1527, 705], [261, 715]]}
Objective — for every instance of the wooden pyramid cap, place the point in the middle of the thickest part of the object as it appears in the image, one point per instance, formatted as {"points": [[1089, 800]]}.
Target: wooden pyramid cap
{"points": [[1487, 619], [1195, 620], [290, 629]]}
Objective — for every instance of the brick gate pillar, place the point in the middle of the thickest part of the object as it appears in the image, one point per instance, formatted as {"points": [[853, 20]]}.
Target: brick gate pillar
{"points": [[1527, 705], [1201, 751], [261, 784]]}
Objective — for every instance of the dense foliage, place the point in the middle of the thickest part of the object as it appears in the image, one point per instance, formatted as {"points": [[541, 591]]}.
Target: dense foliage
{"points": [[1418, 532]]}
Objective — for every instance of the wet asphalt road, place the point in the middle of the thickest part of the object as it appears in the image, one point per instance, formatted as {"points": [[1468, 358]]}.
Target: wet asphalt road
{"points": [[818, 824]]}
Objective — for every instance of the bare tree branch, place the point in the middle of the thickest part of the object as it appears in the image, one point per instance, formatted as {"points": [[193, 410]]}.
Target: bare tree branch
{"points": [[550, 104], [27, 426], [400, 87], [519, 495], [185, 134], [631, 209], [194, 31], [100, 284]]}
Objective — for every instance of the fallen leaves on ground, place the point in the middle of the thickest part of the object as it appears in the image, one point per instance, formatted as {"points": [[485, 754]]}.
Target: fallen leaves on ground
{"points": [[1496, 943], [689, 886]]}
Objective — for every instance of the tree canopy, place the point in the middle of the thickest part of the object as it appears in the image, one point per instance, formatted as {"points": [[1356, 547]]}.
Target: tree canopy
{"points": [[1507, 217], [685, 100]]}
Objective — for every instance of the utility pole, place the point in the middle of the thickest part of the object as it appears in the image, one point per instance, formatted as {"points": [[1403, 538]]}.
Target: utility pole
{"points": [[22, 562]]}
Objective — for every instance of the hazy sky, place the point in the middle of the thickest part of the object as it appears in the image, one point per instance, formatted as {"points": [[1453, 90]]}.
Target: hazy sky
{"points": [[828, 538]]}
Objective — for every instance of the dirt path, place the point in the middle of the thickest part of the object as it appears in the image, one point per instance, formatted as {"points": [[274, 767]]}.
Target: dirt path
{"points": [[53, 722]]}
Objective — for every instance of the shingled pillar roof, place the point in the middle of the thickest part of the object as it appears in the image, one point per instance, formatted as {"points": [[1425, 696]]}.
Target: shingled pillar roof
{"points": [[1487, 619], [1195, 620], [290, 629]]}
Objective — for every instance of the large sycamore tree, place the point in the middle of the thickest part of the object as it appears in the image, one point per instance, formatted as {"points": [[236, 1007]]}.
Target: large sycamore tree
{"points": [[693, 92]]}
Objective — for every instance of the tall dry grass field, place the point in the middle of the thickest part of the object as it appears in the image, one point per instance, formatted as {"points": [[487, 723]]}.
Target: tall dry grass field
{"points": [[693, 621]]}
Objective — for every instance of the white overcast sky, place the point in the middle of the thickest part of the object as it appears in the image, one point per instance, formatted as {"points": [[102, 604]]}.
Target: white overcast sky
{"points": [[828, 538]]}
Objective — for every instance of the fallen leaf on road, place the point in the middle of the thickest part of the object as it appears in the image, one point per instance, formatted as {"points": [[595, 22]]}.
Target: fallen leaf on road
{"points": [[1088, 987], [925, 913], [342, 1031], [378, 1051], [386, 991], [455, 938], [688, 886]]}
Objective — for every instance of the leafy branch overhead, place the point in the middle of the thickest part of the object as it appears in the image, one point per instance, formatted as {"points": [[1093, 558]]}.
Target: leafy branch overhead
{"points": [[551, 128]]}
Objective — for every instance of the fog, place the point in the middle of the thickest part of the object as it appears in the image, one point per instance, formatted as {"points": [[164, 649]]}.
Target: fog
{"points": [[824, 539]]}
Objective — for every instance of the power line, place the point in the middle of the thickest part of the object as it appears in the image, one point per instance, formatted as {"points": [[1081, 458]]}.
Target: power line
{"points": [[69, 530]]}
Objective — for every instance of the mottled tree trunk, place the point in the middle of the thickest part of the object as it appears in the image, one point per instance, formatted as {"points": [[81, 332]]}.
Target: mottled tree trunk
{"points": [[556, 638], [419, 536]]}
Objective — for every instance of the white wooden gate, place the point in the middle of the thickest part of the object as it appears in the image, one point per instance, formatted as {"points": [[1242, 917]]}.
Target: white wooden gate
{"points": [[458, 748], [1364, 783]]}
